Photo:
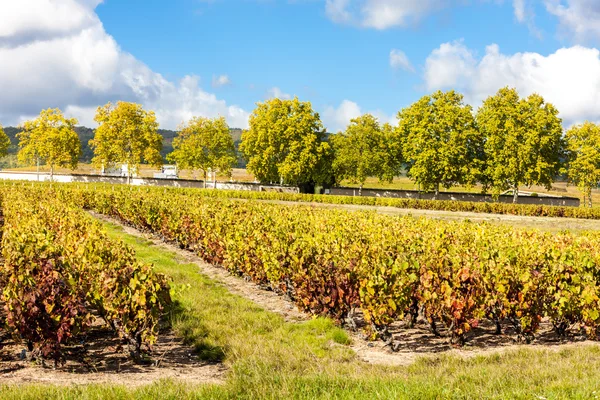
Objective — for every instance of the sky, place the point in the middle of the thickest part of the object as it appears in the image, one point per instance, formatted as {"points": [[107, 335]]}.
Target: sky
{"points": [[185, 58]]}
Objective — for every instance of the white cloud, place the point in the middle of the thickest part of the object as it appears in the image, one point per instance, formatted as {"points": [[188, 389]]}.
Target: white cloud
{"points": [[520, 13], [568, 78], [337, 11], [221, 80], [399, 60], [337, 119], [382, 14], [524, 14], [579, 18], [276, 93], [34, 20], [460, 65], [85, 115], [61, 56]]}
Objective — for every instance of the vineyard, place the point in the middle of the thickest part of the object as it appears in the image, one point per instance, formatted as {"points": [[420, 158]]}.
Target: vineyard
{"points": [[61, 273], [454, 274], [417, 204]]}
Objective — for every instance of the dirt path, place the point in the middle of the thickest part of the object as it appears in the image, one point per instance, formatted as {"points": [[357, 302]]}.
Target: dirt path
{"points": [[103, 365], [420, 343], [414, 343]]}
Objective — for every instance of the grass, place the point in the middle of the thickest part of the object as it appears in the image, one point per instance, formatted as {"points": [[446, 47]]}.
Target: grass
{"points": [[404, 183], [269, 358]]}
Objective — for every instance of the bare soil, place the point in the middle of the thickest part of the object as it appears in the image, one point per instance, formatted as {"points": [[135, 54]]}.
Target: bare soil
{"points": [[419, 341], [412, 343], [99, 358]]}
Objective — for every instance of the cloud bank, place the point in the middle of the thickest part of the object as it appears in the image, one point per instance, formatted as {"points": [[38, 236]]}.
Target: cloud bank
{"points": [[569, 78], [59, 55]]}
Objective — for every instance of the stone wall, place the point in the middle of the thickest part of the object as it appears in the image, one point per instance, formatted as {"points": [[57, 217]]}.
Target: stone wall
{"points": [[182, 183]]}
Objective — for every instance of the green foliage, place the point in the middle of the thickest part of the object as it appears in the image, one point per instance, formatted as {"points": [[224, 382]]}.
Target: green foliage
{"points": [[523, 141], [269, 358], [204, 144], [60, 268], [42, 306], [332, 262], [365, 149], [9, 161], [285, 142], [126, 134], [50, 139], [583, 150], [4, 142], [441, 205], [441, 144]]}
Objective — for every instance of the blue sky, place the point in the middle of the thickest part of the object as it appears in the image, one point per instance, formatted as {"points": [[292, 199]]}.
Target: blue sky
{"points": [[219, 57]]}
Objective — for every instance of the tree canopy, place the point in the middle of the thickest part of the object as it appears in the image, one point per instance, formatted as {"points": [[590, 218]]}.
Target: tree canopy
{"points": [[126, 134], [4, 142], [204, 144], [583, 152], [523, 141], [440, 141], [50, 139], [286, 143], [365, 149]]}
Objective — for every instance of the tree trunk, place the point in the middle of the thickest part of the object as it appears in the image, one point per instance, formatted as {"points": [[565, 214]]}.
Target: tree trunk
{"points": [[205, 178], [51, 172], [437, 191], [128, 173], [515, 194], [38, 168], [215, 180], [589, 197], [360, 190]]}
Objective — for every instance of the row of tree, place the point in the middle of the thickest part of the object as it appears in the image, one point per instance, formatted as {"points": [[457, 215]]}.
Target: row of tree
{"points": [[441, 142], [126, 135], [509, 142]]}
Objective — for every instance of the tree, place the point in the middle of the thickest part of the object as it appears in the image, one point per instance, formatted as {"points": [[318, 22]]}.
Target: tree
{"points": [[204, 144], [4, 142], [583, 152], [440, 142], [50, 139], [365, 150], [126, 134], [523, 141], [286, 144]]}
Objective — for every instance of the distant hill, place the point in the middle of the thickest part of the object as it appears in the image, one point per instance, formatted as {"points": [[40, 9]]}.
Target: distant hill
{"points": [[87, 134]]}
